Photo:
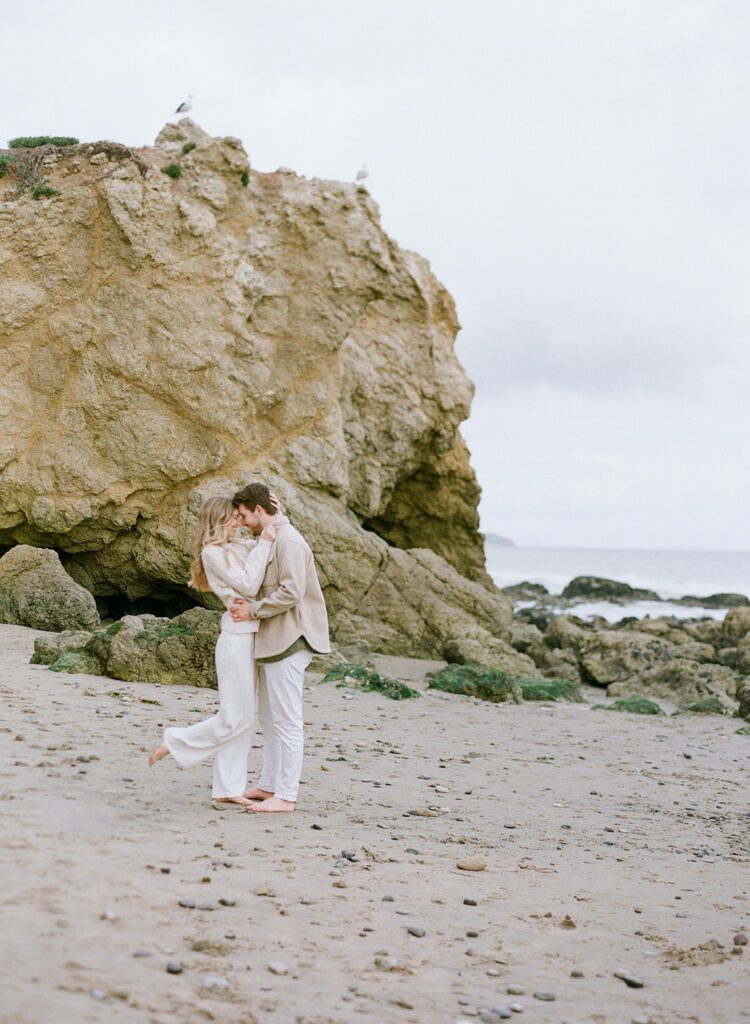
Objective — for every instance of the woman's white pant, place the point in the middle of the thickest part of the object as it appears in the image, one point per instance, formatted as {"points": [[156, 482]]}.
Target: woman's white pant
{"points": [[280, 715], [226, 736]]}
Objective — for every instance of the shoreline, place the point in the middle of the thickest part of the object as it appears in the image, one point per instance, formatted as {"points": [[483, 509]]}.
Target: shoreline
{"points": [[634, 828]]}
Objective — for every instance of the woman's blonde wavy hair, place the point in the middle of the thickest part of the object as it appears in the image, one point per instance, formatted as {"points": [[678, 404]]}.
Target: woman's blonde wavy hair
{"points": [[214, 520]]}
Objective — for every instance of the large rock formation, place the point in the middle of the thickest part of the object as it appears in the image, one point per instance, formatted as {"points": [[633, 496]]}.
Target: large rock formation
{"points": [[166, 338]]}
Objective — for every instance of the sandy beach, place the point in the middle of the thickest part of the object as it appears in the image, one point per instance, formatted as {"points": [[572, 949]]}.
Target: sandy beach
{"points": [[613, 843]]}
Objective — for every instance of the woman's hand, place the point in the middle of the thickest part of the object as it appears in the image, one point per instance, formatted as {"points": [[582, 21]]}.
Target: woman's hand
{"points": [[268, 533], [275, 501], [240, 610]]}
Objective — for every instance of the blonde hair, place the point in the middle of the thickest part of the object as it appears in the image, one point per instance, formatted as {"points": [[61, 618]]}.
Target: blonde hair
{"points": [[213, 528]]}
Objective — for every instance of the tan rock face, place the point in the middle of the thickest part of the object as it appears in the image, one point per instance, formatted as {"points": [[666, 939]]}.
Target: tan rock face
{"points": [[168, 339]]}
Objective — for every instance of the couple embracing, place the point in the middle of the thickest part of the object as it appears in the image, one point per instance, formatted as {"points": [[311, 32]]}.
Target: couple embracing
{"points": [[275, 621]]}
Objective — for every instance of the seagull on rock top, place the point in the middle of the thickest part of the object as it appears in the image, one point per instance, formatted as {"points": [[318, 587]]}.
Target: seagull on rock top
{"points": [[185, 105], [362, 173]]}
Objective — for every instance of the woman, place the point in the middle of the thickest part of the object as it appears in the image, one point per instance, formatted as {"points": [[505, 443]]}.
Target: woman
{"points": [[230, 568]]}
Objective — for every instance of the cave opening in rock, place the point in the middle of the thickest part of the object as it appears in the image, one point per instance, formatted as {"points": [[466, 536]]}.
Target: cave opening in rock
{"points": [[114, 606]]}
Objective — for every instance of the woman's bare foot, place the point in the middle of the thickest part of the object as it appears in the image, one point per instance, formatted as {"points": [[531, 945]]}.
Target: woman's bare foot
{"points": [[161, 751], [241, 800], [257, 794], [273, 804]]}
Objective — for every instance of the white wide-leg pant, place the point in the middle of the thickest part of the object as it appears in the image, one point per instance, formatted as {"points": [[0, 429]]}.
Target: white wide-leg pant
{"points": [[280, 715], [226, 736]]}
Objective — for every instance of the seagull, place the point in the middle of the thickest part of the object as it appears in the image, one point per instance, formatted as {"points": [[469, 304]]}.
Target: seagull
{"points": [[185, 106], [362, 173]]}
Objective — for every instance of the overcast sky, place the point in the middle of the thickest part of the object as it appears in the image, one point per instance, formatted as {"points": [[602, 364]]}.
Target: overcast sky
{"points": [[576, 171]]}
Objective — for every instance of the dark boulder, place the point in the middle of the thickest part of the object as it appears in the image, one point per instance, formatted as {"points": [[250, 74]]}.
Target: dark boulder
{"points": [[598, 588]]}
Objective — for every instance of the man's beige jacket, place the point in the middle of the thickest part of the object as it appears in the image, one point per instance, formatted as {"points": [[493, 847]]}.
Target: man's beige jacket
{"points": [[290, 602]]}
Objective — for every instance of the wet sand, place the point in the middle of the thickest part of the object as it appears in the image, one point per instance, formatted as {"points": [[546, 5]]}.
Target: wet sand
{"points": [[635, 828]]}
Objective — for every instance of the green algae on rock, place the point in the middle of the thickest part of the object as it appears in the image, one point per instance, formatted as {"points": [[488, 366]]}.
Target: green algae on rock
{"points": [[363, 678], [77, 661], [550, 689], [140, 649], [635, 705], [707, 706], [48, 649], [473, 680]]}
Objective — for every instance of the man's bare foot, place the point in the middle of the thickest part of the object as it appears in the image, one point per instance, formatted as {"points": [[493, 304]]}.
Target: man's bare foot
{"points": [[161, 751], [273, 804], [257, 794], [230, 800]]}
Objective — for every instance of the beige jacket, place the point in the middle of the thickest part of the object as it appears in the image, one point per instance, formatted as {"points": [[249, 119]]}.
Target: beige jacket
{"points": [[290, 603]]}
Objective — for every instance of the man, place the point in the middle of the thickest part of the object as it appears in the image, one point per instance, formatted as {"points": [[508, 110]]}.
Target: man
{"points": [[293, 625]]}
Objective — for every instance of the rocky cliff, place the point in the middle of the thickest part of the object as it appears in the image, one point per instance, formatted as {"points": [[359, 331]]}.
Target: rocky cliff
{"points": [[167, 336]]}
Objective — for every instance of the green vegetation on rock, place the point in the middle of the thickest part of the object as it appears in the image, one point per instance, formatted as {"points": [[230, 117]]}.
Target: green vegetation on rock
{"points": [[77, 661], [43, 189], [245, 179], [188, 148], [477, 681], [140, 648], [635, 705], [706, 706], [163, 631], [47, 649], [33, 141], [172, 170], [550, 689], [367, 679], [4, 161]]}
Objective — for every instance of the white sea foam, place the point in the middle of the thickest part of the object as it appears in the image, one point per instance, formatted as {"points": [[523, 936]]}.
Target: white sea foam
{"points": [[641, 610]]}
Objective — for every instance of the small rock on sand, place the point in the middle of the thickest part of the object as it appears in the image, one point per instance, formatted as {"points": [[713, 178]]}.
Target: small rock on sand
{"points": [[213, 983], [472, 863]]}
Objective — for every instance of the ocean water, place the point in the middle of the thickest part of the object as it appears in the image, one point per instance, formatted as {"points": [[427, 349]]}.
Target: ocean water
{"points": [[671, 574]]}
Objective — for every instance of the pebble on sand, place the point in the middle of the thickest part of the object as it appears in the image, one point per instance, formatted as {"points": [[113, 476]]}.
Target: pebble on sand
{"points": [[174, 967], [277, 967], [213, 983], [545, 997], [472, 863]]}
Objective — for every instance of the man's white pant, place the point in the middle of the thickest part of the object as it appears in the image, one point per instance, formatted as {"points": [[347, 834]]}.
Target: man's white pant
{"points": [[226, 737], [280, 715]]}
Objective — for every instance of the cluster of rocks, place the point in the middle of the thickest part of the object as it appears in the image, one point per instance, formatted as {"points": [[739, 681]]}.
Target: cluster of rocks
{"points": [[672, 659], [138, 648]]}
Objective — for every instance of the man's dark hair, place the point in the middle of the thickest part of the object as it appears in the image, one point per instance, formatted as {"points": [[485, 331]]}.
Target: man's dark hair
{"points": [[252, 495]]}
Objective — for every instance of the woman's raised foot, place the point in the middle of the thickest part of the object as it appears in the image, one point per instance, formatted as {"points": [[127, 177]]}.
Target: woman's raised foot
{"points": [[156, 755]]}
